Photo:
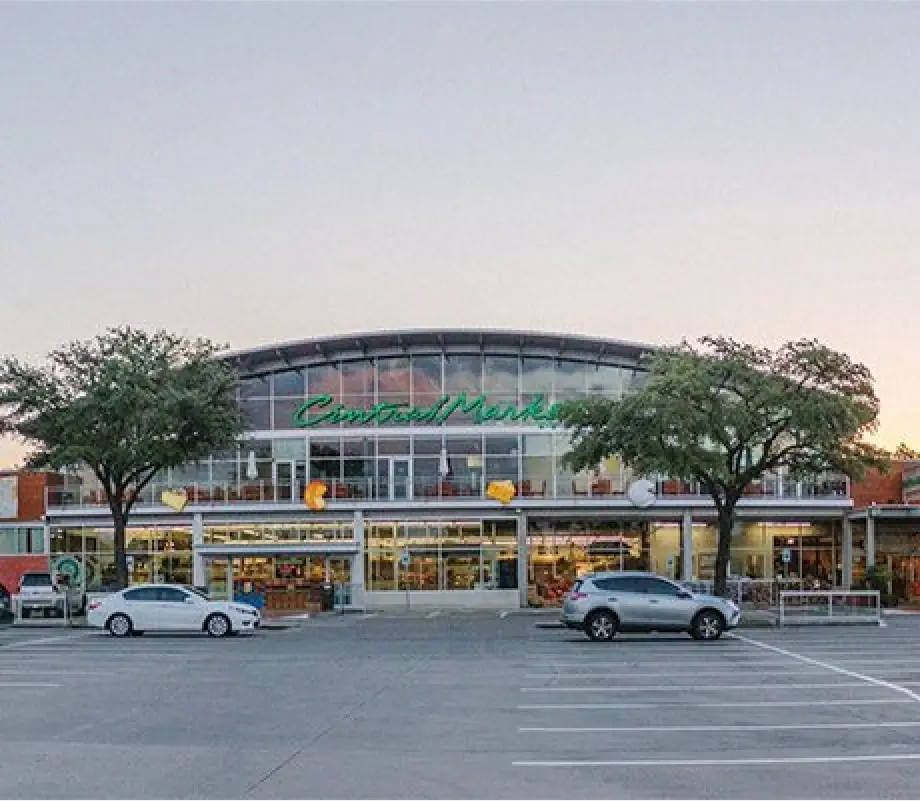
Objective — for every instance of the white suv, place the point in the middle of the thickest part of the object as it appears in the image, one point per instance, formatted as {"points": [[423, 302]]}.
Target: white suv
{"points": [[39, 592]]}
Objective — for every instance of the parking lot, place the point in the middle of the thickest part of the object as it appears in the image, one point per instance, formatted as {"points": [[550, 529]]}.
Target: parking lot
{"points": [[461, 705]]}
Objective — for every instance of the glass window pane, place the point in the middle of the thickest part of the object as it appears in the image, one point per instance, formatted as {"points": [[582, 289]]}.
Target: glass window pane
{"points": [[257, 414], [358, 384], [604, 379], [393, 381], [502, 375], [428, 446], [290, 383], [393, 447], [570, 379], [9, 542], [537, 376], [285, 412], [255, 387], [462, 374], [324, 379], [325, 447], [426, 380], [293, 449], [501, 445]]}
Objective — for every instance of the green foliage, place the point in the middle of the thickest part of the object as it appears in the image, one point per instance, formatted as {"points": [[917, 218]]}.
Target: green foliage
{"points": [[725, 413], [127, 404]]}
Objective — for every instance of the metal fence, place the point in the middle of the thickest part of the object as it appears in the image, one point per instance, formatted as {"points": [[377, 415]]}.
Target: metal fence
{"points": [[806, 607], [758, 593]]}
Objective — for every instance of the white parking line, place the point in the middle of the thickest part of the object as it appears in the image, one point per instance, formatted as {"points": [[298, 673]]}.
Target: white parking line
{"points": [[569, 676], [828, 666], [43, 640], [48, 672], [665, 688], [907, 724], [724, 704], [746, 663], [658, 763], [28, 684]]}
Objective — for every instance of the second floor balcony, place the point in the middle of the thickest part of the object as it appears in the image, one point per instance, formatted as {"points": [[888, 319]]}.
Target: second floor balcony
{"points": [[400, 489]]}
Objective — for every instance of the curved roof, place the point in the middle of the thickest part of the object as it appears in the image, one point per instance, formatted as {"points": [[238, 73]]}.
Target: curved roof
{"points": [[356, 346]]}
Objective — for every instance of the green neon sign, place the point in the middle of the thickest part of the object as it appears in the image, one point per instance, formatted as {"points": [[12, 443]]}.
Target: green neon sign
{"points": [[325, 411]]}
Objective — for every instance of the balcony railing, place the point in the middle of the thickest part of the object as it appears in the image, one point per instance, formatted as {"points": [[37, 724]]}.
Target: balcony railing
{"points": [[435, 489]]}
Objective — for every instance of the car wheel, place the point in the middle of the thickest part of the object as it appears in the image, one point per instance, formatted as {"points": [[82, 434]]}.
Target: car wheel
{"points": [[708, 625], [119, 625], [601, 626], [218, 625]]}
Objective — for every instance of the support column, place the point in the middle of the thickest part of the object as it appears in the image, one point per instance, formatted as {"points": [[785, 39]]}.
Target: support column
{"points": [[198, 577], [847, 553], [522, 564], [686, 546], [870, 539], [357, 563]]}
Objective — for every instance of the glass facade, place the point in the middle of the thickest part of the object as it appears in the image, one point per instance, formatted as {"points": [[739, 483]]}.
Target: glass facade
{"points": [[475, 555], [427, 428]]}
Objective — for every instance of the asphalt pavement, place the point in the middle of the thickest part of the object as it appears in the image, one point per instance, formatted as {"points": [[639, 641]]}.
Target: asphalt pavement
{"points": [[460, 705]]}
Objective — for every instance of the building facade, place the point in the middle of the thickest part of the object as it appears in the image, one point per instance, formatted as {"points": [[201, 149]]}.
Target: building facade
{"points": [[405, 433]]}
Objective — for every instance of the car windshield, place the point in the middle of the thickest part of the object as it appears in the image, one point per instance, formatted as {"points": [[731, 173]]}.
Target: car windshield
{"points": [[36, 580], [196, 591]]}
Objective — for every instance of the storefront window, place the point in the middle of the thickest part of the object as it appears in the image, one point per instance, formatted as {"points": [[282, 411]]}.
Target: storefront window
{"points": [[442, 556], [426, 380], [501, 378], [325, 379], [290, 384], [462, 374]]}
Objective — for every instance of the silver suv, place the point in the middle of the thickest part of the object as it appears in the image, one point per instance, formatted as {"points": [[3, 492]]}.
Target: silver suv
{"points": [[604, 603]]}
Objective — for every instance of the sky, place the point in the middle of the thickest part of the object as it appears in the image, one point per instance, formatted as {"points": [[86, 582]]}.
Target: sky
{"points": [[257, 172]]}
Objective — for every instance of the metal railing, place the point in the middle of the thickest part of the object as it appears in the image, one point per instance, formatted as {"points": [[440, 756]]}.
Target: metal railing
{"points": [[425, 489], [806, 607]]}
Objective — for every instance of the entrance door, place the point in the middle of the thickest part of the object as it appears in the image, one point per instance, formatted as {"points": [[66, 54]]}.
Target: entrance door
{"points": [[400, 478], [283, 479]]}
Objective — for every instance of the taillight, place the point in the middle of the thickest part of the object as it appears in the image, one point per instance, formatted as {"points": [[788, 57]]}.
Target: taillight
{"points": [[94, 604], [577, 596]]}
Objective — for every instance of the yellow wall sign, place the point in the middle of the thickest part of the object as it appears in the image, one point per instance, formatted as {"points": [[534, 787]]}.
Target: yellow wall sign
{"points": [[501, 491], [314, 496], [176, 500]]}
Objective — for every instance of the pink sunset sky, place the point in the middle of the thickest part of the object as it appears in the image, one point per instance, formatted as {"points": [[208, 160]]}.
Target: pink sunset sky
{"points": [[263, 172]]}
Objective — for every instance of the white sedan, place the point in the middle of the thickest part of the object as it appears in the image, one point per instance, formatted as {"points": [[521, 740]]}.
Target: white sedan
{"points": [[169, 607]]}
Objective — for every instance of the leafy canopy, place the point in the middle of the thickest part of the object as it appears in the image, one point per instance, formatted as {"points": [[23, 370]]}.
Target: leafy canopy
{"points": [[127, 404], [724, 413]]}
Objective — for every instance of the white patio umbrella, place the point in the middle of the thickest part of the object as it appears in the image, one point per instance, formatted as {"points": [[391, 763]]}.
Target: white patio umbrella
{"points": [[443, 464]]}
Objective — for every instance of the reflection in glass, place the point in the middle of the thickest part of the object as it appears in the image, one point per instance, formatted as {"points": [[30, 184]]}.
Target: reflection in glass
{"points": [[462, 374], [426, 380], [502, 374]]}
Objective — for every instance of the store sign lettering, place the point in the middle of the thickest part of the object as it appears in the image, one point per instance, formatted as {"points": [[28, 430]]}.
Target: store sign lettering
{"points": [[322, 410]]}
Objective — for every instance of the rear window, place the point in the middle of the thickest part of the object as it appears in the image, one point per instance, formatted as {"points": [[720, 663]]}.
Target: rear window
{"points": [[35, 580]]}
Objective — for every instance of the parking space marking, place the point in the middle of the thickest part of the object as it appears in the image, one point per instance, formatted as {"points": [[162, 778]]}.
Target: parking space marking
{"points": [[4, 671], [691, 687], [32, 684], [724, 704], [42, 641], [661, 763], [673, 675], [828, 666], [907, 724]]}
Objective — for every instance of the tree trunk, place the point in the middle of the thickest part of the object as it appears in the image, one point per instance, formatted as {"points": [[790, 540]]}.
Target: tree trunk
{"points": [[723, 554], [121, 559]]}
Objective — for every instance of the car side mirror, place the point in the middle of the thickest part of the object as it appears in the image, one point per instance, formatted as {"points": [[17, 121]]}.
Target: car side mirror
{"points": [[685, 595], [189, 600]]}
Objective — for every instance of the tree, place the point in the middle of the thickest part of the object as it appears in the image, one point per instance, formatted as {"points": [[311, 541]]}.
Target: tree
{"points": [[128, 405], [905, 452], [725, 413]]}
